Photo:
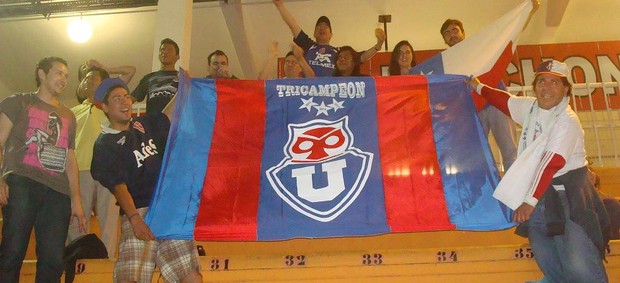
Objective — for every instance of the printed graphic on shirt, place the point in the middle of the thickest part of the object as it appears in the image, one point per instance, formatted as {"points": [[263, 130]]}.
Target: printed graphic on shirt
{"points": [[147, 150], [138, 126], [321, 58], [47, 140], [163, 86]]}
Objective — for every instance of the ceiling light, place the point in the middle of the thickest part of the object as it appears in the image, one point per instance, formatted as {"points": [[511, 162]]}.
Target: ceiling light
{"points": [[80, 30]]}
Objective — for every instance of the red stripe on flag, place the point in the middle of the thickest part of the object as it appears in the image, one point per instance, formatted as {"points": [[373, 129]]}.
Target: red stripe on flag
{"points": [[235, 158], [494, 76], [414, 197]]}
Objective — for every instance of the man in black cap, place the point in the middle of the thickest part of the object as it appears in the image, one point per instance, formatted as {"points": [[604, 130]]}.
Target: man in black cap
{"points": [[321, 56]]}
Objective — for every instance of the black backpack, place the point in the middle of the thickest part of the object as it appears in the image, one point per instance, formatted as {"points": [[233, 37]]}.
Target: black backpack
{"points": [[86, 247]]}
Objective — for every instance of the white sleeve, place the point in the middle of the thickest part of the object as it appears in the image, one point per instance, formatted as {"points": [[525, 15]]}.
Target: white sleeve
{"points": [[519, 108]]}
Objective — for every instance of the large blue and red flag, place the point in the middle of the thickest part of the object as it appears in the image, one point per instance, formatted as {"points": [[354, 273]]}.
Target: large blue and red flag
{"points": [[324, 157], [485, 55]]}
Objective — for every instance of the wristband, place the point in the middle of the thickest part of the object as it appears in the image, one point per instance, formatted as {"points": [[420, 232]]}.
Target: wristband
{"points": [[129, 218], [531, 201], [479, 88]]}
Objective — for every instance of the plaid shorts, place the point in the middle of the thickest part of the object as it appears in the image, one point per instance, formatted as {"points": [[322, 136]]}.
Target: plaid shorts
{"points": [[137, 259]]}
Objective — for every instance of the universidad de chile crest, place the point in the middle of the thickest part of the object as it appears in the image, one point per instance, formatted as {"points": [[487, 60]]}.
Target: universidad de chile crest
{"points": [[322, 173]]}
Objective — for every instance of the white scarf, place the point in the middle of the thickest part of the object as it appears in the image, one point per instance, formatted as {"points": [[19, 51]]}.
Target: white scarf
{"points": [[513, 189]]}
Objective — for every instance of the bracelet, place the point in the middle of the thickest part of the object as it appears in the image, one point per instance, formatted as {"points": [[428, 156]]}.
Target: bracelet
{"points": [[129, 218]]}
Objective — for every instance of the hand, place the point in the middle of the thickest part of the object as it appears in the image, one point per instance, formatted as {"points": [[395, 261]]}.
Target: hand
{"points": [[94, 63], [473, 82], [186, 73], [381, 36], [523, 213], [278, 2], [4, 192], [273, 49], [223, 72], [297, 51], [140, 229], [78, 212]]}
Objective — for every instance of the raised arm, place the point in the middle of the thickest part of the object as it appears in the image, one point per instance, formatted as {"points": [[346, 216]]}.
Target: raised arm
{"points": [[288, 17], [272, 55], [125, 72], [169, 109], [496, 97], [380, 35], [535, 5], [299, 55]]}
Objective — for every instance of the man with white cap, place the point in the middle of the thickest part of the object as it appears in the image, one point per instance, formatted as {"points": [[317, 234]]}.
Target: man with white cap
{"points": [[560, 211]]}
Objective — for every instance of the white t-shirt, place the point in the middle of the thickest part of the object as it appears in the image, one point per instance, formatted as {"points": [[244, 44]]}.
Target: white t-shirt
{"points": [[566, 138]]}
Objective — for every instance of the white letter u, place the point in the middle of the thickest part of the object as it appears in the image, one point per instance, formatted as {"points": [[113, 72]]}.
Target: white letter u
{"points": [[335, 181]]}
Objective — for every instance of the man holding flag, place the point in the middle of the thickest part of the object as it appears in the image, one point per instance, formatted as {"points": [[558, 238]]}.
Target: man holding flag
{"points": [[486, 55], [560, 211], [325, 158], [126, 160]]}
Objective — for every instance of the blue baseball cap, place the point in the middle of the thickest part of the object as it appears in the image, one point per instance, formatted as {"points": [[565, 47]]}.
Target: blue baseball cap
{"points": [[106, 85]]}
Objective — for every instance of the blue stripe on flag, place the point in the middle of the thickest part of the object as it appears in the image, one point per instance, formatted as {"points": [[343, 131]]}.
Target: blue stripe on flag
{"points": [[177, 196], [469, 177]]}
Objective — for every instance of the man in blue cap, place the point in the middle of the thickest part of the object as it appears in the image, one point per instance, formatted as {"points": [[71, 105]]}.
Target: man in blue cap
{"points": [[126, 160]]}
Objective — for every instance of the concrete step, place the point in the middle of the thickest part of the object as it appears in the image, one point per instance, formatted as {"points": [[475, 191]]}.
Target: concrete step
{"points": [[508, 263]]}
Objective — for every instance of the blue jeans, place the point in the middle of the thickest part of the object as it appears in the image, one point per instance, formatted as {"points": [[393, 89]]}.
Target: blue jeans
{"points": [[504, 132], [32, 204], [571, 257]]}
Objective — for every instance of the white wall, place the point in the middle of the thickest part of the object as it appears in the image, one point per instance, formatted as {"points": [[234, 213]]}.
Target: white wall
{"points": [[353, 22], [127, 38], [5, 91]]}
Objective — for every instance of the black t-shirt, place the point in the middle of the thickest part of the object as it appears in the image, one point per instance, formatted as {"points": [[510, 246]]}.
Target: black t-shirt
{"points": [[132, 157], [158, 88]]}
